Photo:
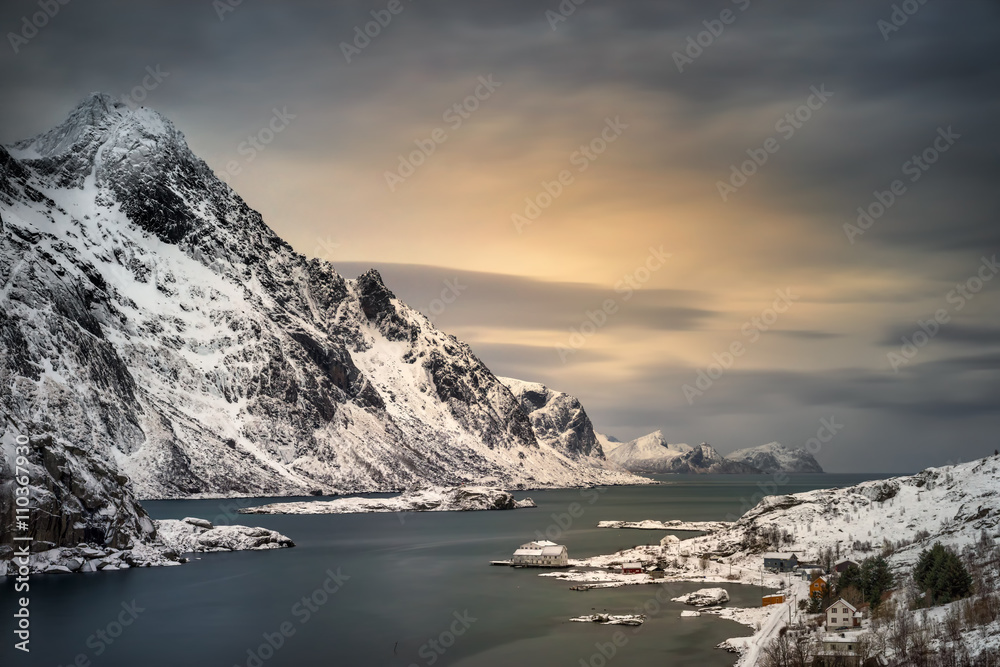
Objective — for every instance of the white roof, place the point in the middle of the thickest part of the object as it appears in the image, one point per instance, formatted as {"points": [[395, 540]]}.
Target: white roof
{"points": [[632, 566], [528, 552], [780, 556], [540, 548], [849, 605]]}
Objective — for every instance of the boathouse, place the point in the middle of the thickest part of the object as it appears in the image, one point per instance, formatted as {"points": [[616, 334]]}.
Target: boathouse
{"points": [[540, 554]]}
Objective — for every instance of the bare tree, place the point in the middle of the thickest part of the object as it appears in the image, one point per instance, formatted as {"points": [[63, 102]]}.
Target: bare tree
{"points": [[777, 652], [900, 631], [953, 624]]}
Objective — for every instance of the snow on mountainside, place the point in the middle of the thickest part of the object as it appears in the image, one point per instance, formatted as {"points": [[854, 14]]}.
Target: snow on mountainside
{"points": [[608, 443], [775, 457], [953, 505], [653, 454], [558, 419], [151, 321], [650, 453]]}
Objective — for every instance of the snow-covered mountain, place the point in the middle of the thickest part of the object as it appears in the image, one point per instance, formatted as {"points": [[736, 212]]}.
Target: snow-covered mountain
{"points": [[557, 419], [151, 321], [775, 457], [650, 453], [653, 454]]}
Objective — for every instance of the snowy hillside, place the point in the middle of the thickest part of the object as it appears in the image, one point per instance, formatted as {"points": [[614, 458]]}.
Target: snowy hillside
{"points": [[158, 325], [953, 505], [775, 457], [653, 454]]}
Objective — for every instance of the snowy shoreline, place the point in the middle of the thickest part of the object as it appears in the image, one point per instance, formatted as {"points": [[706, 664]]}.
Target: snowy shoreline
{"points": [[953, 505], [675, 524], [173, 538], [433, 499]]}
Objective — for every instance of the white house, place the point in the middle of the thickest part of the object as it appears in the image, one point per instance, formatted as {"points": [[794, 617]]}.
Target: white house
{"points": [[540, 554], [842, 614], [841, 649], [669, 541]]}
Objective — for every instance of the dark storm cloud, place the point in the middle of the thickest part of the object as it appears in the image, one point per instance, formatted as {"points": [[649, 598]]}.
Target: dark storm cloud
{"points": [[489, 300], [941, 69]]}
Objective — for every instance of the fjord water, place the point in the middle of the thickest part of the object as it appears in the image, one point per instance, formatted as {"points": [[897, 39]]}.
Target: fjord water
{"points": [[404, 580]]}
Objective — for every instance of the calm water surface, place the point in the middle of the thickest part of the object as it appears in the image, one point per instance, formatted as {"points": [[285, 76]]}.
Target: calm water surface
{"points": [[406, 579]]}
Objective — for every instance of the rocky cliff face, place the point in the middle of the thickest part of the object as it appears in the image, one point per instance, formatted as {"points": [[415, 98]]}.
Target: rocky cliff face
{"points": [[153, 324], [74, 499], [557, 419]]}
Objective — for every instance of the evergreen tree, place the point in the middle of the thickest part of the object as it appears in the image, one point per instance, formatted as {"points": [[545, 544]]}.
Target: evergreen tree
{"points": [[941, 574], [851, 576], [876, 579]]}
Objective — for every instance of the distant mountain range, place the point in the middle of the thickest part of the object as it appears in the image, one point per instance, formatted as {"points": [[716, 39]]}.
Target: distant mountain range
{"points": [[653, 454]]}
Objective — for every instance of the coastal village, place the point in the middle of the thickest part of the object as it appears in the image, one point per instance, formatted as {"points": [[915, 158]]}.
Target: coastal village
{"points": [[928, 597]]}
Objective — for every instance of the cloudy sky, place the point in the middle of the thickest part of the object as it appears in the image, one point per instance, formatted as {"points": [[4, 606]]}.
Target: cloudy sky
{"points": [[613, 200]]}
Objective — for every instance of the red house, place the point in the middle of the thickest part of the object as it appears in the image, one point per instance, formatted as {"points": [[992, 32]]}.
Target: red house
{"points": [[631, 568]]}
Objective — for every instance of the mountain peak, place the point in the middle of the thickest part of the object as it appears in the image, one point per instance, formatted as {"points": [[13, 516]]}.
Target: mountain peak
{"points": [[97, 120]]}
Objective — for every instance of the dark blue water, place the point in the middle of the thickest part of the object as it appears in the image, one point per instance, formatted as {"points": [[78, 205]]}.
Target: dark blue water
{"points": [[393, 589]]}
